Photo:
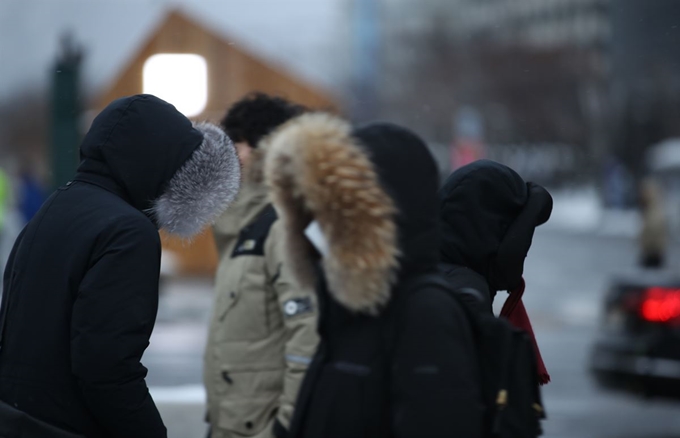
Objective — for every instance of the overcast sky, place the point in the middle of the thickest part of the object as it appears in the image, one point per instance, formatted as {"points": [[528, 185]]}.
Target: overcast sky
{"points": [[303, 35]]}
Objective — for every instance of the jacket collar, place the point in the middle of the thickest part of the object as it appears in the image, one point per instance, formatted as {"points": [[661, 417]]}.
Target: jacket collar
{"points": [[251, 201], [102, 181]]}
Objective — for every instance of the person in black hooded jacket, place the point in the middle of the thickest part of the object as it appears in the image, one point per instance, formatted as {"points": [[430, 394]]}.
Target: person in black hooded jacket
{"points": [[81, 284], [488, 217], [396, 357]]}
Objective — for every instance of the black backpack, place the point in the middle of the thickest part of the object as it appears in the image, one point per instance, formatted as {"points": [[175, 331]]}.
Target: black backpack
{"points": [[509, 376]]}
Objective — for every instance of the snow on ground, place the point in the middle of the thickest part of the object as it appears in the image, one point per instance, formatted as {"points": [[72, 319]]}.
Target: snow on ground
{"points": [[581, 211]]}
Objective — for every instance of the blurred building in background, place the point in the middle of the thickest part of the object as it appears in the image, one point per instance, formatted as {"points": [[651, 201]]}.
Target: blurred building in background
{"points": [[645, 77], [598, 77], [536, 23], [535, 71]]}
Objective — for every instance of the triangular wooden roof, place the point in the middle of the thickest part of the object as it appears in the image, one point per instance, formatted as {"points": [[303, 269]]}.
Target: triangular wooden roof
{"points": [[232, 71]]}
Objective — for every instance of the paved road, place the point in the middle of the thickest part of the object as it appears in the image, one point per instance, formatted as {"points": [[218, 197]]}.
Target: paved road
{"points": [[566, 277], [174, 357]]}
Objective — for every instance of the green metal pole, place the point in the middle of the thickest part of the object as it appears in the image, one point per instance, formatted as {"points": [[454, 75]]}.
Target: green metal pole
{"points": [[65, 132]]}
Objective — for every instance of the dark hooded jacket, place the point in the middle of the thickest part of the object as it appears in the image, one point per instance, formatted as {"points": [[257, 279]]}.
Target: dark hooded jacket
{"points": [[488, 216], [81, 285], [388, 362]]}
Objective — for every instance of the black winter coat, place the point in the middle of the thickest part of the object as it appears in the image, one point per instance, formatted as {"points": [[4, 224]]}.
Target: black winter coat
{"points": [[403, 369], [81, 285]]}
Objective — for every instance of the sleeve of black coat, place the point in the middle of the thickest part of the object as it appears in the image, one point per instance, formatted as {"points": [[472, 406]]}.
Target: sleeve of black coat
{"points": [[435, 377], [113, 317]]}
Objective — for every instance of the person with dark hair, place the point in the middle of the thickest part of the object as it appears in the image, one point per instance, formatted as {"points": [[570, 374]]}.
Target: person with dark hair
{"points": [[253, 117], [263, 330], [81, 285], [396, 357]]}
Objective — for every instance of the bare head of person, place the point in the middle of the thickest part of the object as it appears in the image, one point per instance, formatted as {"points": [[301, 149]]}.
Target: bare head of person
{"points": [[255, 116]]}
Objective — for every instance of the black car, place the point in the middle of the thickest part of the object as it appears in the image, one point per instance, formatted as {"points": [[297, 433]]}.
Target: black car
{"points": [[638, 346]]}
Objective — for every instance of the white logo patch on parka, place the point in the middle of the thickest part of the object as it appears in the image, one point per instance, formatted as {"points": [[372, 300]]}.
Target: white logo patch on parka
{"points": [[297, 306]]}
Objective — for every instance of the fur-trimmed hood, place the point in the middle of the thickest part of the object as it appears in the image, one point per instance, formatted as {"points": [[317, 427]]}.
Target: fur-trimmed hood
{"points": [[202, 188], [319, 169], [182, 176]]}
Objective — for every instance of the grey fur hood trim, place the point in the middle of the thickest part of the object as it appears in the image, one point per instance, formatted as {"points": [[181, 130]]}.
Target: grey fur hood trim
{"points": [[203, 188]]}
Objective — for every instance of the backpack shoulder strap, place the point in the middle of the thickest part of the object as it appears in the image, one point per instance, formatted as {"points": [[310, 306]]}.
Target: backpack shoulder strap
{"points": [[464, 286], [395, 310], [462, 278]]}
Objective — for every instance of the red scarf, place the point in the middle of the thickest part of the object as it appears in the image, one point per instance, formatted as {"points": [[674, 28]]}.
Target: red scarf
{"points": [[514, 311]]}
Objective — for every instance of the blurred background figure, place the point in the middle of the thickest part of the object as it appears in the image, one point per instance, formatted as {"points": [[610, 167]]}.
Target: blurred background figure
{"points": [[468, 144], [31, 195], [5, 198], [6, 232], [617, 185], [11, 219], [653, 237]]}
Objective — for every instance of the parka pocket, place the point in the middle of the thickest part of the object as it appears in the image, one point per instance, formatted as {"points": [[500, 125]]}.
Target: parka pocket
{"points": [[243, 315], [245, 319], [247, 417], [235, 383]]}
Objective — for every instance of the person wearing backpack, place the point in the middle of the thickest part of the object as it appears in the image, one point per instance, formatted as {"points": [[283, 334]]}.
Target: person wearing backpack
{"points": [[263, 331], [396, 357], [488, 217]]}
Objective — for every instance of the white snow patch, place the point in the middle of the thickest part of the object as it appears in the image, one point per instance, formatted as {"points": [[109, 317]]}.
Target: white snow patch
{"points": [[624, 223], [580, 311], [185, 394], [575, 210], [581, 211]]}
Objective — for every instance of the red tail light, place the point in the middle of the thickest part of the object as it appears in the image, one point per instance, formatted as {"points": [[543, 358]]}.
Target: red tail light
{"points": [[660, 304]]}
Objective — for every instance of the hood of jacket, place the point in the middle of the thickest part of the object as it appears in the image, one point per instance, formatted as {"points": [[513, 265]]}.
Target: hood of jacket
{"points": [[182, 175], [488, 217], [372, 192], [410, 176]]}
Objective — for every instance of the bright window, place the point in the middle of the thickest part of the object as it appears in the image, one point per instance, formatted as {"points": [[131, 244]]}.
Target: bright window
{"points": [[181, 79]]}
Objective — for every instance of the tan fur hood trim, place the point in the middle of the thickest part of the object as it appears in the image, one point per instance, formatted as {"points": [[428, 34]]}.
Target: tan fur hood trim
{"points": [[316, 170]]}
